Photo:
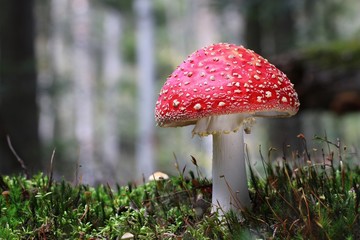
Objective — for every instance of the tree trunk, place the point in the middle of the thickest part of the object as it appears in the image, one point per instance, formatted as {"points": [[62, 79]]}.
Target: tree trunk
{"points": [[18, 107], [84, 91], [270, 30], [146, 75], [112, 66], [253, 33]]}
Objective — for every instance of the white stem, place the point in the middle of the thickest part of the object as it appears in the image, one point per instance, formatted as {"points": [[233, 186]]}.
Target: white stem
{"points": [[230, 188]]}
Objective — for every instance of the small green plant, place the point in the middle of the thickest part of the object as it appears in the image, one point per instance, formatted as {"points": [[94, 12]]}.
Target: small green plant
{"points": [[301, 197]]}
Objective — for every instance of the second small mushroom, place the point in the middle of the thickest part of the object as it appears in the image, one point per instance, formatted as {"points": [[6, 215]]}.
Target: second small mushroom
{"points": [[220, 89]]}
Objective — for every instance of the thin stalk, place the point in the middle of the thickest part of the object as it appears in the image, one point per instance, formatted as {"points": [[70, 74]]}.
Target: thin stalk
{"points": [[230, 188]]}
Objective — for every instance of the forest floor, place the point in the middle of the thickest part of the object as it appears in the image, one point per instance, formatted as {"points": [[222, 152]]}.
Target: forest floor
{"points": [[294, 199]]}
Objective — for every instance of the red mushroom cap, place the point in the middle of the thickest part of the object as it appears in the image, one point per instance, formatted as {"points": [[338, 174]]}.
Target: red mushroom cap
{"points": [[224, 79]]}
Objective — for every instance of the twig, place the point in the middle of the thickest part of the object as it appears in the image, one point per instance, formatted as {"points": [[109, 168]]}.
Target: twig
{"points": [[51, 169], [22, 163]]}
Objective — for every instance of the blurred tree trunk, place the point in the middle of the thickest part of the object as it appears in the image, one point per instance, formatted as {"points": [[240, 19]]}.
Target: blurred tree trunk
{"points": [[146, 78], [84, 84], [253, 32], [18, 107], [270, 26], [60, 114], [270, 30], [112, 67]]}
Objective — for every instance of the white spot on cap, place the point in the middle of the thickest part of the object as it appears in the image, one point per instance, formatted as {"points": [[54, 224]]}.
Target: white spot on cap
{"points": [[268, 94], [212, 78], [284, 99], [259, 99], [221, 104], [176, 103], [197, 106], [256, 77]]}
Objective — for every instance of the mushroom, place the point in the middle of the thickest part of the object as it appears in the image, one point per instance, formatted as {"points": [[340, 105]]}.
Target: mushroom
{"points": [[127, 236], [220, 89], [158, 176]]}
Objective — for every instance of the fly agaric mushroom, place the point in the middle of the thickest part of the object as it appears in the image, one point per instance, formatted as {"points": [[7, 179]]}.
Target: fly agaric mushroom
{"points": [[220, 89]]}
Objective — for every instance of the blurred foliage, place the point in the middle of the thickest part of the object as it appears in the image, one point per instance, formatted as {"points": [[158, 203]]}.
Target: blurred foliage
{"points": [[122, 6], [337, 54]]}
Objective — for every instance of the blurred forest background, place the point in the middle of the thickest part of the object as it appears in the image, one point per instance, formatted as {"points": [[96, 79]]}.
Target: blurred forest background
{"points": [[81, 77]]}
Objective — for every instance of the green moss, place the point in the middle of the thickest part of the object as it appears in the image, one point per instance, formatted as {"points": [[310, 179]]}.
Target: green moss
{"points": [[340, 54], [311, 201]]}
